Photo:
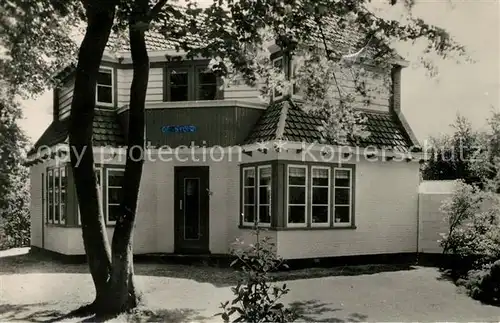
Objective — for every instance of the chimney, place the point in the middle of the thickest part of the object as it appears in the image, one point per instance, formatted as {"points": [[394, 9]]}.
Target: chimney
{"points": [[396, 88]]}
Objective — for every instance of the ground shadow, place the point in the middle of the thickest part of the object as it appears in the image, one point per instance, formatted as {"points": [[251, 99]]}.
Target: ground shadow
{"points": [[316, 311], [201, 272], [41, 312], [38, 312]]}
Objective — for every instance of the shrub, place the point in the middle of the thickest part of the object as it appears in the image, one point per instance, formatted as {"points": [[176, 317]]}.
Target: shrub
{"points": [[255, 298], [484, 284], [472, 235]]}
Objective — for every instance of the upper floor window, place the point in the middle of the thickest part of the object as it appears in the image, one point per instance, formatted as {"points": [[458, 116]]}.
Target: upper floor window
{"points": [[279, 65], [104, 88], [190, 83], [178, 85]]}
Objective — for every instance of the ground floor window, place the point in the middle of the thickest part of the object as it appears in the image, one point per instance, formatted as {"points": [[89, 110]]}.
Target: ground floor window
{"points": [[323, 197], [114, 180], [56, 188], [98, 175], [257, 195], [285, 194]]}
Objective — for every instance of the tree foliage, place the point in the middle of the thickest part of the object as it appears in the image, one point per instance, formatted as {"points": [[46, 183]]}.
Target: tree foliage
{"points": [[14, 197], [454, 156]]}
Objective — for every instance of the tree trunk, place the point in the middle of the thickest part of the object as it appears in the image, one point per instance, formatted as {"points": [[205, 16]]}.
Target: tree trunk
{"points": [[99, 22], [123, 295]]}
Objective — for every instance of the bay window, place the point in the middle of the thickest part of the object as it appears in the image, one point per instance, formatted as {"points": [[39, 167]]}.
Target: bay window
{"points": [[56, 195], [342, 196], [264, 195], [257, 195], [320, 201], [98, 175], [114, 180], [319, 196], [296, 195]]}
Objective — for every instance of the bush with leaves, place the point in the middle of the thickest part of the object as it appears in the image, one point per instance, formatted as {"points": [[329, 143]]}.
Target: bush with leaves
{"points": [[474, 234], [256, 299], [484, 284]]}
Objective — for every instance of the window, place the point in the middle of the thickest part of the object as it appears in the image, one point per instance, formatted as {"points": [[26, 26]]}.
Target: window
{"points": [[62, 195], [256, 195], [44, 202], [320, 200], [278, 64], [56, 195], [104, 89], [189, 83], [114, 193], [50, 197], [264, 195], [178, 85], [248, 196], [342, 197], [98, 175], [207, 85], [296, 195]]}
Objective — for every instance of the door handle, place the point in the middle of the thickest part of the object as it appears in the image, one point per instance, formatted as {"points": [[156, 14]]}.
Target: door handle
{"points": [[180, 205]]}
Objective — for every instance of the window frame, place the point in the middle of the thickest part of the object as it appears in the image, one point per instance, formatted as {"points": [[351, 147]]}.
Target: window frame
{"points": [[101, 192], [197, 83], [49, 204], [63, 205], [108, 221], [334, 204], [256, 168], [106, 104], [168, 88], [243, 204], [329, 203], [192, 70], [283, 70], [50, 196], [257, 191], [287, 197]]}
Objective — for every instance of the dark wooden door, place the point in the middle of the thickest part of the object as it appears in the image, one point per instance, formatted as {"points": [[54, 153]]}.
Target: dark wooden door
{"points": [[191, 209]]}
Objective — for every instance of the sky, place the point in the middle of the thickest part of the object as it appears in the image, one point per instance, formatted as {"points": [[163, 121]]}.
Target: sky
{"points": [[429, 104]]}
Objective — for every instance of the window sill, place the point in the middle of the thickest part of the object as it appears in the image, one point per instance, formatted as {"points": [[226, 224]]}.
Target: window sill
{"points": [[318, 228], [56, 225]]}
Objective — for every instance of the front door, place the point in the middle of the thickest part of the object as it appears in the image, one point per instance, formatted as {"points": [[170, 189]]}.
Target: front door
{"points": [[191, 209]]}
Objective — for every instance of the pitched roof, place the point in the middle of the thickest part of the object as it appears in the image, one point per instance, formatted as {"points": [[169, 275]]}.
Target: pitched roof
{"points": [[106, 131], [342, 37], [287, 121]]}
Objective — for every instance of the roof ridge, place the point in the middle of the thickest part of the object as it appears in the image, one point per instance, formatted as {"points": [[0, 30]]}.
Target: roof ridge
{"points": [[280, 128]]}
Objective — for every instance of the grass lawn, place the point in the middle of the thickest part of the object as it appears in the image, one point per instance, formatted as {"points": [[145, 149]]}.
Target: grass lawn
{"points": [[33, 288]]}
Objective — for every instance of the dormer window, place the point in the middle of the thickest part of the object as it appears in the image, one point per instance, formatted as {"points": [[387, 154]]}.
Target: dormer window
{"points": [[178, 87], [206, 85], [191, 82], [104, 88]]}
